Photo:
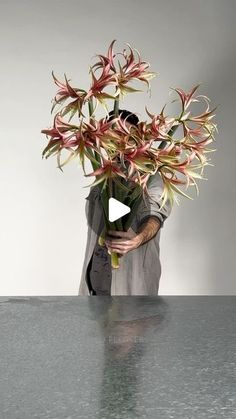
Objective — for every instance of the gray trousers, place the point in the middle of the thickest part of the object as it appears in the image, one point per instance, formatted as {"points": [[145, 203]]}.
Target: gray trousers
{"points": [[99, 272]]}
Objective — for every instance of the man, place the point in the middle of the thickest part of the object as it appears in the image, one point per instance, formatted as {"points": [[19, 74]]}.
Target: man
{"points": [[140, 268]]}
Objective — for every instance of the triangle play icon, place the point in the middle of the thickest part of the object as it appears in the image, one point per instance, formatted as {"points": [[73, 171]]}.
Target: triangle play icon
{"points": [[116, 209]]}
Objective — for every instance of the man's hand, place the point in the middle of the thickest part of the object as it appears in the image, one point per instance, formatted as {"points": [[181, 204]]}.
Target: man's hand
{"points": [[122, 242]]}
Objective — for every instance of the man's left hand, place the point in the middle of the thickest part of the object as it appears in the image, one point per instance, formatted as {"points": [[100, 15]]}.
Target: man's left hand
{"points": [[122, 242]]}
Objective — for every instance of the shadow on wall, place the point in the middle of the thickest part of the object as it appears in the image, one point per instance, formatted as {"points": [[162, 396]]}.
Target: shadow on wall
{"points": [[206, 227]]}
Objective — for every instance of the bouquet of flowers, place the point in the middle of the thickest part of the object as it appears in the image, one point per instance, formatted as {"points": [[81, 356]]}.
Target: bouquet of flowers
{"points": [[125, 157]]}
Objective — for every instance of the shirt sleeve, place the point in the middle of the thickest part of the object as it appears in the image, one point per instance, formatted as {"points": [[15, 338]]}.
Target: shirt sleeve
{"points": [[90, 203], [151, 205]]}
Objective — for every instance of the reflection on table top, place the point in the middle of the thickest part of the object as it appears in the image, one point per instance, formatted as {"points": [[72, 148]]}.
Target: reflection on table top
{"points": [[118, 357]]}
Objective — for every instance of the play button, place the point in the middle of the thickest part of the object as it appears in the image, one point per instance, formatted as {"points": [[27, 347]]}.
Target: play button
{"points": [[116, 209]]}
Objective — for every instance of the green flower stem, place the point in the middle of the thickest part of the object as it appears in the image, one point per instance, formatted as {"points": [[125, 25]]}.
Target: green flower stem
{"points": [[118, 223], [171, 132], [91, 108], [108, 226], [95, 165], [113, 193], [115, 260], [110, 187], [105, 198], [106, 193], [133, 212], [116, 108]]}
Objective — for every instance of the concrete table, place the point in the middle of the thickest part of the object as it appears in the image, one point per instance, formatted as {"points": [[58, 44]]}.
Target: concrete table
{"points": [[118, 357]]}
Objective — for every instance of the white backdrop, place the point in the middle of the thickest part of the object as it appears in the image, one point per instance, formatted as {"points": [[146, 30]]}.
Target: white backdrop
{"points": [[43, 225]]}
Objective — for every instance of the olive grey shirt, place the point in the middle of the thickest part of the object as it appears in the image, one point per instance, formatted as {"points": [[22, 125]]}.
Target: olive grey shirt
{"points": [[140, 269]]}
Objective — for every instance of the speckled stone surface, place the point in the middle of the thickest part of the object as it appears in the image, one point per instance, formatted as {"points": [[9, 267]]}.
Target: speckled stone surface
{"points": [[118, 357]]}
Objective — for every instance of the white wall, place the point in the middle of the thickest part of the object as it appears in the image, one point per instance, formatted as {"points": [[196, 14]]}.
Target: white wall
{"points": [[43, 226]]}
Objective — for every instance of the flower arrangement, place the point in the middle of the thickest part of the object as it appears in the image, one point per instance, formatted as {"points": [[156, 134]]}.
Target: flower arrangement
{"points": [[124, 157]]}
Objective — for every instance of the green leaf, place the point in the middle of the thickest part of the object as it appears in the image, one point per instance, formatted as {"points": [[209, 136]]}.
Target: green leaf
{"points": [[50, 146], [72, 155], [180, 192]]}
